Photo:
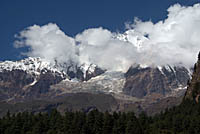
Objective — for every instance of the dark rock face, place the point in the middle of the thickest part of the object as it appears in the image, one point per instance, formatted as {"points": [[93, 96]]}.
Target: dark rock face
{"points": [[141, 82], [76, 72], [193, 90], [97, 71], [182, 75], [12, 83], [177, 76], [16, 78], [16, 84], [43, 83]]}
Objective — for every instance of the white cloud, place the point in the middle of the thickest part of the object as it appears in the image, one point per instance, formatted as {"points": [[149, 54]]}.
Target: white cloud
{"points": [[173, 41], [94, 36], [48, 42], [99, 46]]}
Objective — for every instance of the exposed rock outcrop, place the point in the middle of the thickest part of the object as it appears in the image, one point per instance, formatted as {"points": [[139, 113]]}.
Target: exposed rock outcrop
{"points": [[141, 82], [84, 73], [193, 90]]}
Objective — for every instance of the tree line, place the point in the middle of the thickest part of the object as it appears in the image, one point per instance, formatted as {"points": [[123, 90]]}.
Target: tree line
{"points": [[183, 119]]}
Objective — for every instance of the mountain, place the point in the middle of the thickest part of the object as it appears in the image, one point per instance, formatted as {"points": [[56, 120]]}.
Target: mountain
{"points": [[193, 90], [141, 82], [41, 85], [133, 37]]}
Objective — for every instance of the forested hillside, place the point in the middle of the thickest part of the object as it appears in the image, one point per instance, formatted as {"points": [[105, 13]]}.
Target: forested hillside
{"points": [[184, 119]]}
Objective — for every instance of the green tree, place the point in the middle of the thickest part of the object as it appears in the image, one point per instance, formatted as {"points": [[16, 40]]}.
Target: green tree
{"points": [[133, 126], [107, 123]]}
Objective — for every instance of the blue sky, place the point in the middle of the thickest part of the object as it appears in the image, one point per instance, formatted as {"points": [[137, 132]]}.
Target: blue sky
{"points": [[73, 16]]}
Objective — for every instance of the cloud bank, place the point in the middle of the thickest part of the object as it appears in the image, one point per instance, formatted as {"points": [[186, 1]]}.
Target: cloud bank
{"points": [[174, 41]]}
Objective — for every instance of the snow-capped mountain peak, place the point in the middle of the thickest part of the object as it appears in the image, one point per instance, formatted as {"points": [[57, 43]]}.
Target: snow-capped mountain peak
{"points": [[133, 37], [30, 65], [35, 66]]}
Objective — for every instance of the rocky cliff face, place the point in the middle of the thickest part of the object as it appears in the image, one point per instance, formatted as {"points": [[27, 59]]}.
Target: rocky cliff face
{"points": [[193, 90], [32, 78], [18, 84], [142, 82], [12, 83], [84, 72]]}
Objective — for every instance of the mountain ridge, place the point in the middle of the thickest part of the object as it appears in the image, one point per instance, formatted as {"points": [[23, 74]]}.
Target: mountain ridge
{"points": [[25, 80]]}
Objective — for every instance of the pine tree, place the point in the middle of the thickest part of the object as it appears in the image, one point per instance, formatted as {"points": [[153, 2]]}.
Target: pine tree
{"points": [[120, 124], [90, 121], [133, 126], [97, 128], [107, 124]]}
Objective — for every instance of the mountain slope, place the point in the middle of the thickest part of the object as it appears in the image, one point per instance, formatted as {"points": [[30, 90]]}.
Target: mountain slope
{"points": [[140, 88], [142, 82], [193, 90]]}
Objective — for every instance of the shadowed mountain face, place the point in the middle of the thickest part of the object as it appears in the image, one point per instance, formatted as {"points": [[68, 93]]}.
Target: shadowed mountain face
{"points": [[13, 82], [32, 80], [18, 84], [142, 82], [193, 90], [84, 75]]}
